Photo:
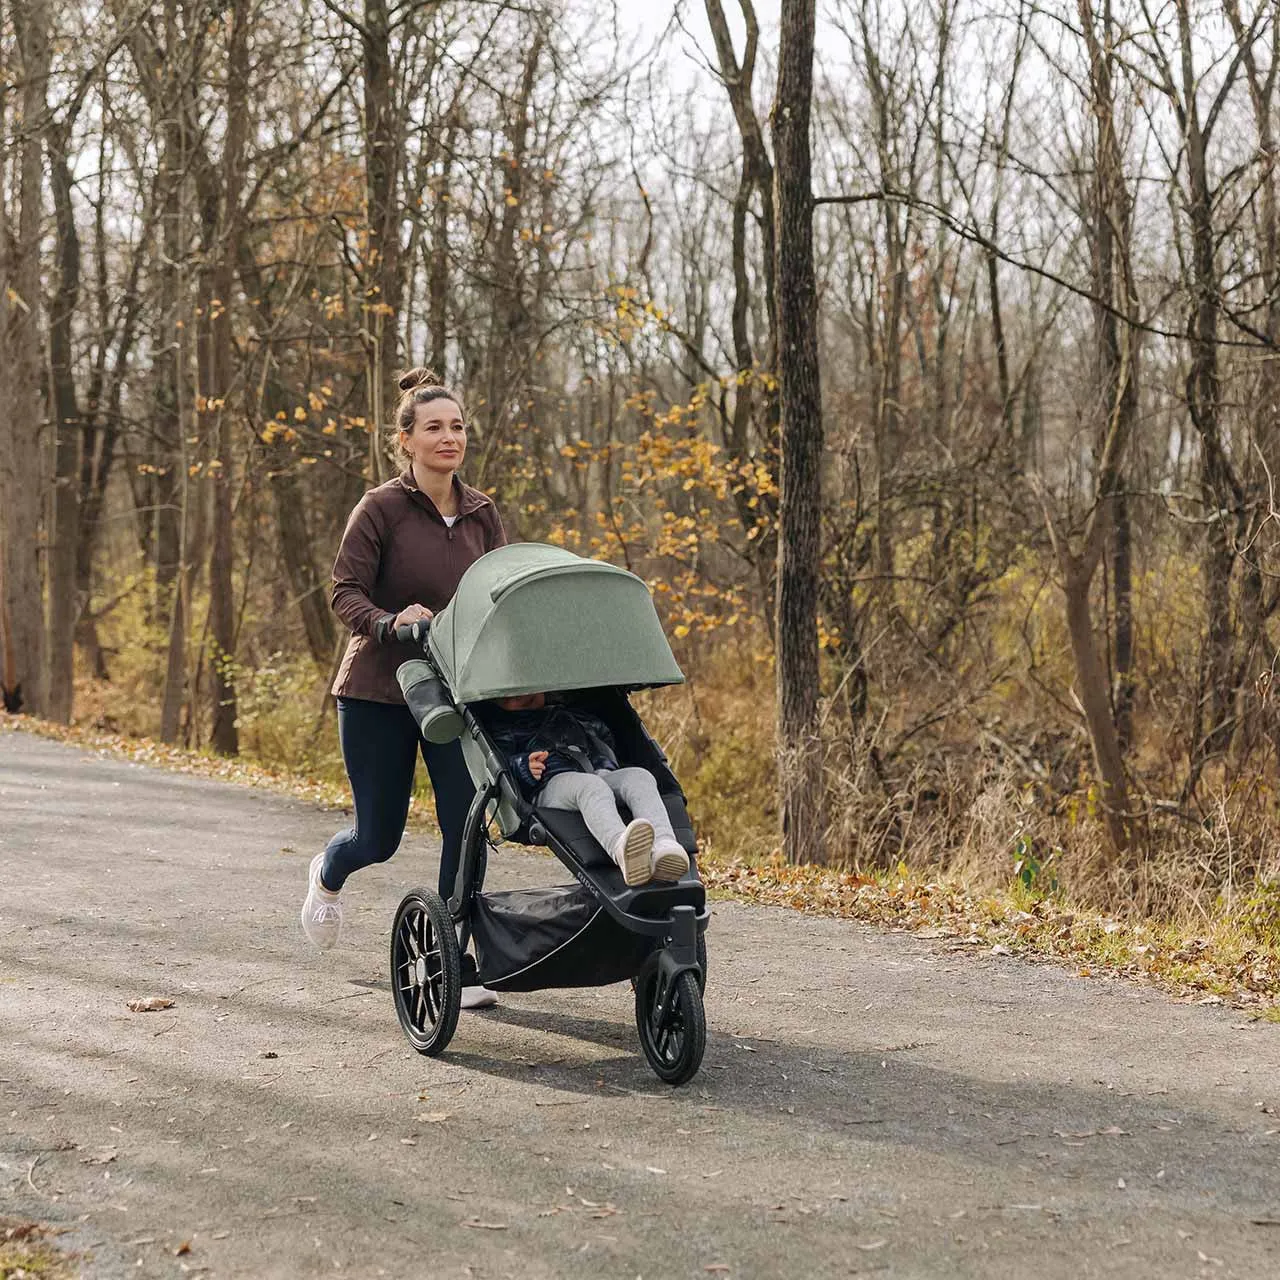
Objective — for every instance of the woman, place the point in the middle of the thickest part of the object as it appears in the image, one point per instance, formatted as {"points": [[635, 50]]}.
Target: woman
{"points": [[406, 545]]}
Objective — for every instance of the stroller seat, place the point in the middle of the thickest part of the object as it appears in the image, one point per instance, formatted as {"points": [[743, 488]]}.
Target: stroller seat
{"points": [[652, 899]]}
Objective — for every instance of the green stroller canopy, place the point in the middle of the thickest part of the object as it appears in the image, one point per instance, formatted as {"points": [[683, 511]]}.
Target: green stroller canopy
{"points": [[533, 617]]}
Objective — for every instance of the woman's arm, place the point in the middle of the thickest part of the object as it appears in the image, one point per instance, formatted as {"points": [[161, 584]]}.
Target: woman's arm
{"points": [[355, 570]]}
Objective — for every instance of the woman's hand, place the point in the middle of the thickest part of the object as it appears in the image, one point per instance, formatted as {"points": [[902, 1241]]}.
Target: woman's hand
{"points": [[411, 614], [537, 764]]}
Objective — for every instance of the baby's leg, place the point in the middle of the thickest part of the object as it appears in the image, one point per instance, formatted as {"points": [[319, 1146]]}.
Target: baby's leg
{"points": [[630, 846], [638, 789]]}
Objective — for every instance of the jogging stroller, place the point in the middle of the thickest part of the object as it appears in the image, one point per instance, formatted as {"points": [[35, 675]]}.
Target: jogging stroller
{"points": [[529, 618]]}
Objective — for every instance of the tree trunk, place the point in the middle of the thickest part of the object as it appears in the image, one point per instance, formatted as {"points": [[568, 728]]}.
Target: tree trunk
{"points": [[164, 494], [224, 734], [1122, 587], [68, 424], [309, 587], [438, 268], [1116, 397], [1091, 678], [382, 284], [753, 401], [799, 545], [24, 478], [509, 317]]}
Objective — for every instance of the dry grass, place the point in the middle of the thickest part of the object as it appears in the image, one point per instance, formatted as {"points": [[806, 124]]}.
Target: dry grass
{"points": [[977, 817], [1010, 878], [26, 1254]]}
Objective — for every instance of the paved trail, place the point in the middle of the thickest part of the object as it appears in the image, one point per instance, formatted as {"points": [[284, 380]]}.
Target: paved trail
{"points": [[869, 1103]]}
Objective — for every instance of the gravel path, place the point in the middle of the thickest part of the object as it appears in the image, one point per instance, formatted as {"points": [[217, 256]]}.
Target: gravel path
{"points": [[869, 1103]]}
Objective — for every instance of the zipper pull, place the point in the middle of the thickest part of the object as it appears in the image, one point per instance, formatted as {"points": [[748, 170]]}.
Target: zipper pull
{"points": [[449, 531]]}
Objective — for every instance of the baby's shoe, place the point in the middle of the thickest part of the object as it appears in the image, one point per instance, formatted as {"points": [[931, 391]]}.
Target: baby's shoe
{"points": [[633, 852], [670, 862]]}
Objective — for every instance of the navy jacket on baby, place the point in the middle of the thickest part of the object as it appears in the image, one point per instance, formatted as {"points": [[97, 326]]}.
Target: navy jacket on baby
{"points": [[575, 740]]}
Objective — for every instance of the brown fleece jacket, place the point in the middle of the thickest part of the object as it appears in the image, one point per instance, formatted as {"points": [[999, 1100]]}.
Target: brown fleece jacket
{"points": [[397, 551]]}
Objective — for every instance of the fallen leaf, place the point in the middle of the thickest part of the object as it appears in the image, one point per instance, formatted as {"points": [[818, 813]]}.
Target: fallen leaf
{"points": [[433, 1117], [652, 1169], [184, 1247], [485, 1226], [720, 1268], [105, 1156], [151, 1004], [874, 1244]]}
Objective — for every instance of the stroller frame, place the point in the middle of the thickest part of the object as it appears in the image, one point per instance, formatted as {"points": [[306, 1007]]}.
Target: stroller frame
{"points": [[668, 984]]}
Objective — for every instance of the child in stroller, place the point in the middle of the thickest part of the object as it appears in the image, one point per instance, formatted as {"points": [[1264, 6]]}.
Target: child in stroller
{"points": [[566, 758]]}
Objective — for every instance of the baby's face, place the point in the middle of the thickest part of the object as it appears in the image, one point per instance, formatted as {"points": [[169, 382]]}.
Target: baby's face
{"points": [[523, 702]]}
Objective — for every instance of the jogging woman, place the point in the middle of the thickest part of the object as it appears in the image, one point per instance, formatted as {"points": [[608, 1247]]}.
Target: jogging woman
{"points": [[406, 545]]}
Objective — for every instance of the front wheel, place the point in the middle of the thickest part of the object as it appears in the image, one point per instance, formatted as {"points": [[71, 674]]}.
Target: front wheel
{"points": [[672, 1023], [426, 971]]}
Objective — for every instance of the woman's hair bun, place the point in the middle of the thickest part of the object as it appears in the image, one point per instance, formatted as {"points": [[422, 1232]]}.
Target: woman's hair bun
{"points": [[417, 377]]}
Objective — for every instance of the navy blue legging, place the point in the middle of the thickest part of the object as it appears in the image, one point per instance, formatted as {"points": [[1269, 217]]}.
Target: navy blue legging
{"points": [[380, 743]]}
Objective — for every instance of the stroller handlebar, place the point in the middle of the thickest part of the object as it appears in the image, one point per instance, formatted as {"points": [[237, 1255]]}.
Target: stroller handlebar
{"points": [[413, 632]]}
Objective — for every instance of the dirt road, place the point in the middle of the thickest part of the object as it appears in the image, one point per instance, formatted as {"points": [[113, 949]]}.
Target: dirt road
{"points": [[869, 1103]]}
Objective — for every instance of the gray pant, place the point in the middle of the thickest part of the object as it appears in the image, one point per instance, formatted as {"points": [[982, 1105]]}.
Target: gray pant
{"points": [[592, 795]]}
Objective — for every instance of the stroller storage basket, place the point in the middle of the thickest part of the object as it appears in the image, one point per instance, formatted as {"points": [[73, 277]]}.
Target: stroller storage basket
{"points": [[530, 939]]}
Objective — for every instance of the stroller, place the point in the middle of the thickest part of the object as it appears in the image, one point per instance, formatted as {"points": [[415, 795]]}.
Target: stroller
{"points": [[528, 618]]}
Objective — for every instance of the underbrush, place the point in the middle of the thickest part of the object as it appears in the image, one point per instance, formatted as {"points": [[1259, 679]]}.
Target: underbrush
{"points": [[998, 824]]}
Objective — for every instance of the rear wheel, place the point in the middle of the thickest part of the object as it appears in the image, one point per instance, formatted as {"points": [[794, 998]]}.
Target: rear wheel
{"points": [[426, 971], [671, 1022]]}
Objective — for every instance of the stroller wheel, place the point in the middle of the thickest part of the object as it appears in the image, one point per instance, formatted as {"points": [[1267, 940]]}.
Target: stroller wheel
{"points": [[671, 1022], [426, 971]]}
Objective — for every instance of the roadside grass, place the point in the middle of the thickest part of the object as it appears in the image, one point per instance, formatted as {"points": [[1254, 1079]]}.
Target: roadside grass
{"points": [[1226, 953], [26, 1254]]}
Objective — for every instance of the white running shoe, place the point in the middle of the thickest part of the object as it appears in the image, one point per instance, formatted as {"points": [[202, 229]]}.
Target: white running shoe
{"points": [[670, 862], [478, 998], [321, 912], [633, 852]]}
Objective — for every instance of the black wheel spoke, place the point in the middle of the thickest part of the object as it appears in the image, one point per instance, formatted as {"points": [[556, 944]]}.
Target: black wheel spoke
{"points": [[407, 936]]}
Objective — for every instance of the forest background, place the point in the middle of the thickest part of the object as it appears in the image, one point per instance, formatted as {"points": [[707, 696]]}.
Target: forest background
{"points": [[1046, 244]]}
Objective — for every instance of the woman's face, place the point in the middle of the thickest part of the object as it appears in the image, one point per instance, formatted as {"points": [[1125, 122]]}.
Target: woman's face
{"points": [[438, 440]]}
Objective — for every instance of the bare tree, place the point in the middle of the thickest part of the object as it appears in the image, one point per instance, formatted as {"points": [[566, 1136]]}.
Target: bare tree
{"points": [[799, 539], [22, 470]]}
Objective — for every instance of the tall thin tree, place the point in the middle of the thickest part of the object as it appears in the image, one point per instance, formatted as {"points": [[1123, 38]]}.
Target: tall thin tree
{"points": [[799, 543]]}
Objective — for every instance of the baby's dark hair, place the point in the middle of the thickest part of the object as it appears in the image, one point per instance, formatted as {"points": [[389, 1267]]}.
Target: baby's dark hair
{"points": [[419, 385]]}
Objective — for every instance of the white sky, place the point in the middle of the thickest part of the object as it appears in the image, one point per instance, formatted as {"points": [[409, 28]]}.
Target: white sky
{"points": [[648, 19]]}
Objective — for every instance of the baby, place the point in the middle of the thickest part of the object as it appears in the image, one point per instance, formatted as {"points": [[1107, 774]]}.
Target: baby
{"points": [[567, 759]]}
